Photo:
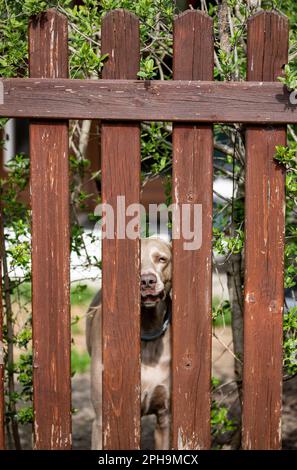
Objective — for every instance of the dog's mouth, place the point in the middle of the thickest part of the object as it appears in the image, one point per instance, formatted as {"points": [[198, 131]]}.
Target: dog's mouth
{"points": [[151, 299]]}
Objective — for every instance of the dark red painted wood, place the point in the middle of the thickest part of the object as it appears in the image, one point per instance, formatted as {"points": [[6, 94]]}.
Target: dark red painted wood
{"points": [[120, 262], [192, 274], [264, 248], [2, 407], [48, 57]]}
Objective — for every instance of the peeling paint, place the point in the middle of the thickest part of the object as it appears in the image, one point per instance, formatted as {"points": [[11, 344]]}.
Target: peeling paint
{"points": [[136, 430], [52, 46], [250, 298], [106, 434], [176, 192], [52, 435], [36, 430], [273, 306], [187, 443]]}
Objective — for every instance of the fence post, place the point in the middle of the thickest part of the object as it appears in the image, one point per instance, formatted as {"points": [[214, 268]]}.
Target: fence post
{"points": [[192, 273], [48, 57], [120, 258], [264, 247]]}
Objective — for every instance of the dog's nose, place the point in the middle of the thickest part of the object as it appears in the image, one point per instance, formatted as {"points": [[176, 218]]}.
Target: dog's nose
{"points": [[148, 281]]}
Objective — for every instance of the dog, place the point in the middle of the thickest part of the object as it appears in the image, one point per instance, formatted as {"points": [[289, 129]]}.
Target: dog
{"points": [[155, 291]]}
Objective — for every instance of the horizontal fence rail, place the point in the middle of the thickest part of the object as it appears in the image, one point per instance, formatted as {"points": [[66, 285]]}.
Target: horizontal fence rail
{"points": [[192, 101], [124, 100]]}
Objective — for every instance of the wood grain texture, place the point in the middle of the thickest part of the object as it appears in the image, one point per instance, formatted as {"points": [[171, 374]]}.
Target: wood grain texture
{"points": [[129, 100], [48, 57], [264, 248], [120, 261], [192, 276]]}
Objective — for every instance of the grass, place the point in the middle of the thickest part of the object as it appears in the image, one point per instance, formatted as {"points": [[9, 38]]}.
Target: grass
{"points": [[80, 361], [23, 292], [80, 294], [80, 297]]}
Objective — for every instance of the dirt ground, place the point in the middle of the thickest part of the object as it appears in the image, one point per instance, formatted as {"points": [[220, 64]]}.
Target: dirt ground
{"points": [[222, 368]]}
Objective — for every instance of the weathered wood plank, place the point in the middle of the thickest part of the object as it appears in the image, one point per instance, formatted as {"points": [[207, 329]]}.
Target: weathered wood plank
{"points": [[125, 100], [192, 276], [120, 261], [264, 249], [50, 245]]}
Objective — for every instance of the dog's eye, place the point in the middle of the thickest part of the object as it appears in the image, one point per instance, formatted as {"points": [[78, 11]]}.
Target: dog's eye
{"points": [[162, 259]]}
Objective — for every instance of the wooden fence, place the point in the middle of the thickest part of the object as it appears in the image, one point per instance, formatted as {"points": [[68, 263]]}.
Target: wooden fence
{"points": [[193, 102]]}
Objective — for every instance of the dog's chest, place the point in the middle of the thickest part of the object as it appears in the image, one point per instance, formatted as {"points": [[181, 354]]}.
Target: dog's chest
{"points": [[155, 370]]}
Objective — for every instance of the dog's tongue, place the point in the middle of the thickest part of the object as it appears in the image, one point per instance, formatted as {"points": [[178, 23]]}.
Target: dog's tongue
{"points": [[151, 298]]}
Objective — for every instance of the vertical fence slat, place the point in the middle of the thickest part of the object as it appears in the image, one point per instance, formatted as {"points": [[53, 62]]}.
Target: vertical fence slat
{"points": [[264, 250], [192, 277], [120, 261], [48, 57]]}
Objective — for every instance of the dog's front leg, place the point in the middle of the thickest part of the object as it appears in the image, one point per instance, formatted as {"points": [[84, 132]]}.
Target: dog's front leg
{"points": [[97, 434], [96, 396], [162, 431], [96, 380]]}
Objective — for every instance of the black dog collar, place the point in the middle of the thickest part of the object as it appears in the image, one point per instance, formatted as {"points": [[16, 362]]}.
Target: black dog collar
{"points": [[157, 334]]}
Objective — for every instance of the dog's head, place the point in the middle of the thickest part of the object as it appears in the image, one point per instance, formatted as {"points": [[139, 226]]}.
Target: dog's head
{"points": [[155, 271]]}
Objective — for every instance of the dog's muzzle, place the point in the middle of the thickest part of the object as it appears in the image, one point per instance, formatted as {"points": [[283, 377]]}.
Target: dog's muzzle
{"points": [[149, 296]]}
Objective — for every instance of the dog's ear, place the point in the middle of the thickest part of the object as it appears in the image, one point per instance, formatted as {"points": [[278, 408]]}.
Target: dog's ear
{"points": [[168, 243]]}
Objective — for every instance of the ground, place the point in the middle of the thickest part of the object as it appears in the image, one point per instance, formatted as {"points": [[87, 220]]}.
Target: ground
{"points": [[222, 367]]}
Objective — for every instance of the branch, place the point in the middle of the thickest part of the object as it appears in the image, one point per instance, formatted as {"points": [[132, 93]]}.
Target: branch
{"points": [[236, 74], [10, 339], [224, 28]]}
